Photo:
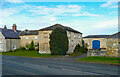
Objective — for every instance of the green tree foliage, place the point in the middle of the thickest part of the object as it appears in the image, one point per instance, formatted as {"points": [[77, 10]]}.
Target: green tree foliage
{"points": [[30, 46], [80, 49], [85, 45], [58, 42]]}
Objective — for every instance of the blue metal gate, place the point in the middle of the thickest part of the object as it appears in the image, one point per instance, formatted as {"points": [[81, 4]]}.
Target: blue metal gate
{"points": [[96, 44]]}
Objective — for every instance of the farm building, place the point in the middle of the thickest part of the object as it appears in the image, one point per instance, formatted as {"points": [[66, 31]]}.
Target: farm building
{"points": [[9, 40], [74, 38], [96, 42]]}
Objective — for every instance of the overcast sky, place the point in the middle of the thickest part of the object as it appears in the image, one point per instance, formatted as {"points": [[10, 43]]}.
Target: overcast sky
{"points": [[87, 17]]}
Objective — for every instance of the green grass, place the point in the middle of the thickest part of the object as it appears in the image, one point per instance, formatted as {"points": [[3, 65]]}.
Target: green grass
{"points": [[77, 54], [98, 59], [26, 53]]}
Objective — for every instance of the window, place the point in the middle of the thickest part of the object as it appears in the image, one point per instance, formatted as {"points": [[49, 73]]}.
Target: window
{"points": [[14, 46], [1, 47], [75, 36], [79, 37], [45, 35], [0, 40], [69, 35], [35, 37], [45, 46], [72, 43], [26, 38]]}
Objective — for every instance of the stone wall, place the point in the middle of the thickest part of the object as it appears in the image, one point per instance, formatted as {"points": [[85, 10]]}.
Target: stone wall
{"points": [[96, 53], [112, 47], [44, 46], [26, 39], [74, 39], [3, 43], [12, 44]]}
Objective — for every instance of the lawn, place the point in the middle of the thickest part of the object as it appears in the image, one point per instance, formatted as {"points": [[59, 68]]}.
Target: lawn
{"points": [[98, 59], [26, 53]]}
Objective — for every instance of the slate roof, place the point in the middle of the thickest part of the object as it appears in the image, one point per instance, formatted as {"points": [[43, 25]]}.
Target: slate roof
{"points": [[18, 32], [116, 35], [29, 32], [96, 36], [59, 26], [9, 34]]}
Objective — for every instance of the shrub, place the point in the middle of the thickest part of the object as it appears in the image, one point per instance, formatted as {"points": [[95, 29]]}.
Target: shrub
{"points": [[22, 48], [84, 44], [58, 42], [30, 46], [27, 46], [80, 49]]}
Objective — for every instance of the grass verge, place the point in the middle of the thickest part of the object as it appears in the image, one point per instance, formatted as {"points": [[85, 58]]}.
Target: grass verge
{"points": [[25, 53], [98, 59], [77, 54]]}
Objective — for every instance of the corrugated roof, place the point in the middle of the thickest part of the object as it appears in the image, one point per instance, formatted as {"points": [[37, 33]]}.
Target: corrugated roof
{"points": [[116, 35], [59, 26], [9, 34], [29, 32], [96, 36]]}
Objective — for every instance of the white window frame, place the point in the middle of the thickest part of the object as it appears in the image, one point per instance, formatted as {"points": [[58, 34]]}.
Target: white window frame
{"points": [[14, 46], [75, 35], [79, 37], [72, 42], [36, 37], [1, 47], [1, 40], [69, 35], [27, 38]]}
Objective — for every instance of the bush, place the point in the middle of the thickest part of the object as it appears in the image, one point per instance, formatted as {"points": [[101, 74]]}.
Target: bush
{"points": [[22, 48], [30, 46], [58, 42], [80, 49]]}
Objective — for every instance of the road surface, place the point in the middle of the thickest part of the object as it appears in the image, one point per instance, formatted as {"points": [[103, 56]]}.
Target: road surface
{"points": [[12, 65]]}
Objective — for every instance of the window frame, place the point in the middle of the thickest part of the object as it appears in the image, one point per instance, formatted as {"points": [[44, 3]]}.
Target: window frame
{"points": [[1, 47], [36, 37], [26, 38], [45, 35], [72, 43], [69, 35], [1, 40], [14, 47], [75, 35]]}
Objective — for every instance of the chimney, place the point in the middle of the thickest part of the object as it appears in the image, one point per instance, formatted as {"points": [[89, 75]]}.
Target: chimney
{"points": [[14, 27], [5, 27]]}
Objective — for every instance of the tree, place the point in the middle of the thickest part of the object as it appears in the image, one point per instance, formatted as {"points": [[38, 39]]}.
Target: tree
{"points": [[58, 42], [32, 46], [80, 49]]}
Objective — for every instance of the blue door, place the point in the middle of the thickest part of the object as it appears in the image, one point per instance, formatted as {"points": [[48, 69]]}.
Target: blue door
{"points": [[96, 44]]}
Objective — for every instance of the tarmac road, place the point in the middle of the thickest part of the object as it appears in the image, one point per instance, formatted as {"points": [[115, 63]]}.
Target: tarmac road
{"points": [[12, 65]]}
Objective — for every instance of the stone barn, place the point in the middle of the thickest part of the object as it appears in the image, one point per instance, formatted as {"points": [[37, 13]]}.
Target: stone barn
{"points": [[96, 44]]}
